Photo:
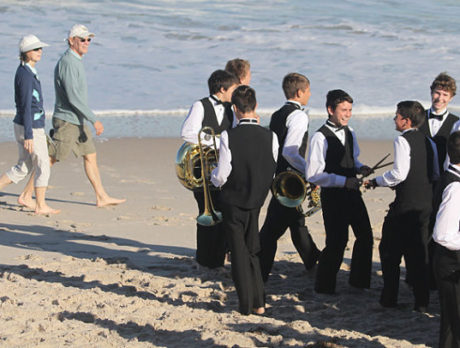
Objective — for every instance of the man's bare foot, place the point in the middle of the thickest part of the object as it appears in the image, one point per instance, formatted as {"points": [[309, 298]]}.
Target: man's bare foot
{"points": [[26, 201], [46, 210], [109, 201], [259, 311]]}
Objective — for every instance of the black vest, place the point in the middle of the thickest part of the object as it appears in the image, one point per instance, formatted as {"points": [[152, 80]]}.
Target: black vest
{"points": [[416, 191], [253, 166], [278, 126], [339, 158], [446, 179], [210, 118], [440, 138]]}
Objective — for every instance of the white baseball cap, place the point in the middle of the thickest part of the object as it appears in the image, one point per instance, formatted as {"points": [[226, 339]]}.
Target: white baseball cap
{"points": [[80, 30], [29, 43]]}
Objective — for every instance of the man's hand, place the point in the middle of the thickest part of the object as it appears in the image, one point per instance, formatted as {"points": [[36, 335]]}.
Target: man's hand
{"points": [[370, 184], [352, 184], [29, 145], [365, 171], [98, 127]]}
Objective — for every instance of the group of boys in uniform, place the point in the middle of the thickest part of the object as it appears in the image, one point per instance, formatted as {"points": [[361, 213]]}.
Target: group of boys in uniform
{"points": [[251, 155]]}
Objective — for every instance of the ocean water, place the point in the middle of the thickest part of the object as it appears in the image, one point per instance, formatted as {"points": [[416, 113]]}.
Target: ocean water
{"points": [[150, 60]]}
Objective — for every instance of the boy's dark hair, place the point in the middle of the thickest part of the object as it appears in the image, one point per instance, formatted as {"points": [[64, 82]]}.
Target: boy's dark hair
{"points": [[292, 83], [244, 98], [412, 110], [337, 96], [445, 83], [221, 79], [238, 67], [453, 147]]}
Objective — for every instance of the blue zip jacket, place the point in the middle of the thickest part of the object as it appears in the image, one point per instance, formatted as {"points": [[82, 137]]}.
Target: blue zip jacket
{"points": [[29, 100]]}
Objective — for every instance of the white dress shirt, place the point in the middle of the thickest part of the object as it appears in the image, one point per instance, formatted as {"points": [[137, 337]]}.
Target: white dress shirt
{"points": [[297, 126], [401, 165], [316, 162], [447, 227], [435, 124], [194, 122], [220, 174]]}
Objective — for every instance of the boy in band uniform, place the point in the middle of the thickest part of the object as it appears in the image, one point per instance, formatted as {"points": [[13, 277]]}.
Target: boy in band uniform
{"points": [[333, 164], [439, 121], [241, 68], [405, 229], [447, 247], [245, 171], [438, 125], [215, 112], [290, 124]]}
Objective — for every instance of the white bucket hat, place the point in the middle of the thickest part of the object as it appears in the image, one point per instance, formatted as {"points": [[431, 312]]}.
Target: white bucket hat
{"points": [[29, 43], [79, 30]]}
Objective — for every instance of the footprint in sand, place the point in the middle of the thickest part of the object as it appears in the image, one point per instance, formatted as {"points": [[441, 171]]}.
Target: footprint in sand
{"points": [[161, 208]]}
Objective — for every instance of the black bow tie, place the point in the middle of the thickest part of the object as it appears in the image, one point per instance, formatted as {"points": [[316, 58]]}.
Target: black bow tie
{"points": [[436, 117], [297, 106], [294, 104], [217, 100], [336, 128]]}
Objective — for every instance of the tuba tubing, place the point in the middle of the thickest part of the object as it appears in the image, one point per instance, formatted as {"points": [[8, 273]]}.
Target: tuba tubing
{"points": [[291, 190], [210, 216]]}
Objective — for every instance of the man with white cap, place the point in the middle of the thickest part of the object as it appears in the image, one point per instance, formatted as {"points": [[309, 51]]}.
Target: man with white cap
{"points": [[71, 111], [29, 126]]}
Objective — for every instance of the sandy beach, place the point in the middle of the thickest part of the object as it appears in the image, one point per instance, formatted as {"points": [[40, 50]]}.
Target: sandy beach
{"points": [[125, 276]]}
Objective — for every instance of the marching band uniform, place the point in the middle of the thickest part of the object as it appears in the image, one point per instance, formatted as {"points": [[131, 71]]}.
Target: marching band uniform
{"points": [[405, 228], [447, 256], [438, 128], [211, 112], [247, 162], [290, 124], [332, 158]]}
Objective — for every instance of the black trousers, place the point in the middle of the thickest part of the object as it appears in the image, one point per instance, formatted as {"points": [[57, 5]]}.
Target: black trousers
{"points": [[210, 240], [405, 234], [446, 266], [241, 228], [278, 219], [343, 208]]}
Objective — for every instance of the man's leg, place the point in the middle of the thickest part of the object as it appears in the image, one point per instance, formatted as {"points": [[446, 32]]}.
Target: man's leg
{"points": [[92, 172], [276, 223], [361, 260], [336, 227], [390, 249], [302, 240]]}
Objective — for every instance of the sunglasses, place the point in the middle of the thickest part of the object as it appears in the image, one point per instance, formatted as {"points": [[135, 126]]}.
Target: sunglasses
{"points": [[84, 40], [37, 49]]}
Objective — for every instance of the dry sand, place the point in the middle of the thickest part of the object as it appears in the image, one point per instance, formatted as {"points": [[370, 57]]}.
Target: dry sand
{"points": [[125, 276]]}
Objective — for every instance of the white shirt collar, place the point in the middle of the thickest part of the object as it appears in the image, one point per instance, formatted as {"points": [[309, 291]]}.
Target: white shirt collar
{"points": [[438, 113]]}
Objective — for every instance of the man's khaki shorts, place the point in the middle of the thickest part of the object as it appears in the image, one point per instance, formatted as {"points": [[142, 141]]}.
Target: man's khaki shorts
{"points": [[69, 137]]}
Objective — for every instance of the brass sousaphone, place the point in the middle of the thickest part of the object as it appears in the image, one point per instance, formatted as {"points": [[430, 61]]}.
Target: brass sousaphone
{"points": [[194, 163]]}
